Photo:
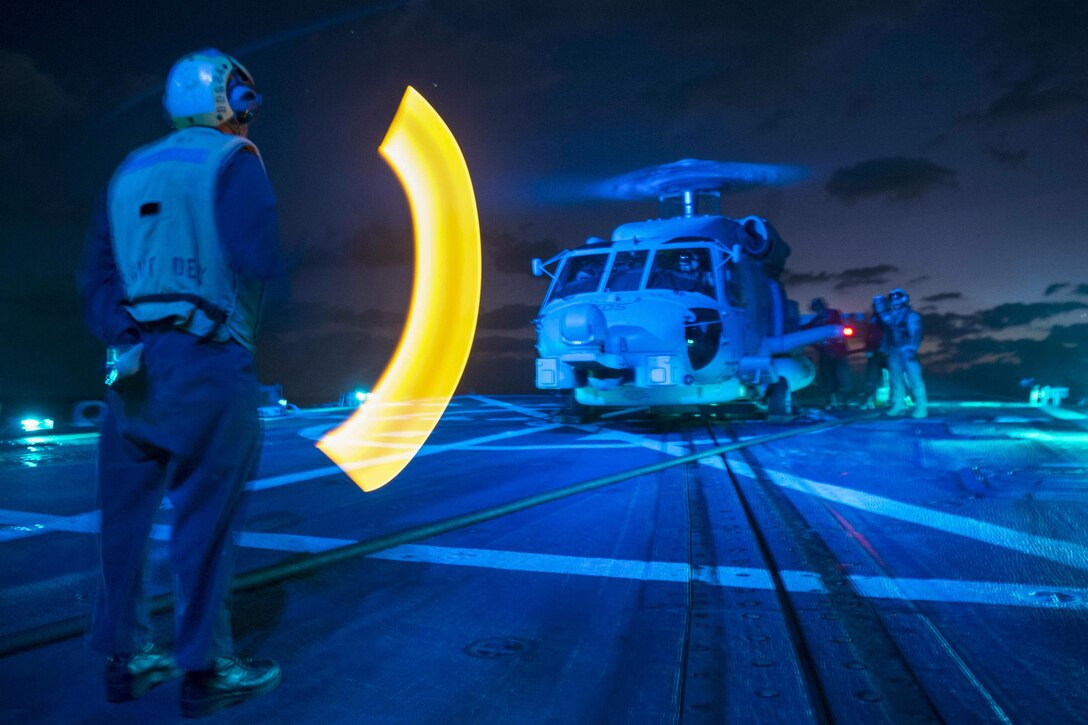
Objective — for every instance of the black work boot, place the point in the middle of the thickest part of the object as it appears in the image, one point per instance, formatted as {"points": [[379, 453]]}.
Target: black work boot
{"points": [[232, 680], [129, 676]]}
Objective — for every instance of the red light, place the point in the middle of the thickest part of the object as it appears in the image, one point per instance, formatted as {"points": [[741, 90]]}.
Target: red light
{"points": [[848, 332]]}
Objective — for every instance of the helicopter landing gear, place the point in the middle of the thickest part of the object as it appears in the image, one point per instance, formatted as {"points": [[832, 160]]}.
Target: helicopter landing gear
{"points": [[576, 412], [780, 398]]}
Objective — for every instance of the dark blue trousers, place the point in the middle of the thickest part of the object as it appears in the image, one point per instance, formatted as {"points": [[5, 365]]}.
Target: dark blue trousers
{"points": [[185, 427]]}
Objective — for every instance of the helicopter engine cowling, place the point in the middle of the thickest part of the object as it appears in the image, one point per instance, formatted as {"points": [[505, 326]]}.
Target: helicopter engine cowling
{"points": [[761, 240]]}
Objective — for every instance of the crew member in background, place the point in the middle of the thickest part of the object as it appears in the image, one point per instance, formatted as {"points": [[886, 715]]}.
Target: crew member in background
{"points": [[171, 280], [832, 366], [903, 328], [690, 276], [876, 352]]}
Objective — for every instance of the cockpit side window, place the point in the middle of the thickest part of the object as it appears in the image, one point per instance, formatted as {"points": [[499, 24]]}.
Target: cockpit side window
{"points": [[581, 273], [684, 270], [626, 271]]}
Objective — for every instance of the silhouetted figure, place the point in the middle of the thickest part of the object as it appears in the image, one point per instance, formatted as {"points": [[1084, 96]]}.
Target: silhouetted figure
{"points": [[171, 281], [832, 366], [904, 334], [876, 352]]}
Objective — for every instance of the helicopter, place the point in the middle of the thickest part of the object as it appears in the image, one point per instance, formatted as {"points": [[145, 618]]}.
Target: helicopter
{"points": [[682, 312]]}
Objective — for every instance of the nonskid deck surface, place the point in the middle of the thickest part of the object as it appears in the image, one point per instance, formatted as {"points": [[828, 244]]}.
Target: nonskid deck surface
{"points": [[880, 570]]}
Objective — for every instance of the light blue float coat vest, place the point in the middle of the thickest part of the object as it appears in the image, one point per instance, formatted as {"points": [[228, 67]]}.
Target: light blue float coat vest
{"points": [[165, 241]]}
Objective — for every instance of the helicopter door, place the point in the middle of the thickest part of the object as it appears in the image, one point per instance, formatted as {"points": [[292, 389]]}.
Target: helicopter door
{"points": [[742, 296]]}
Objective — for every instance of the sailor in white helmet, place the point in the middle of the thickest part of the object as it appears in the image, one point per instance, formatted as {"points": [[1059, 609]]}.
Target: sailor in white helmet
{"points": [[903, 328], [174, 266]]}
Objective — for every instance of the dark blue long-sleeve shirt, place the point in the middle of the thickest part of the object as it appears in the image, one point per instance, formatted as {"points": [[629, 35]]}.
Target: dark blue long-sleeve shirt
{"points": [[248, 226]]}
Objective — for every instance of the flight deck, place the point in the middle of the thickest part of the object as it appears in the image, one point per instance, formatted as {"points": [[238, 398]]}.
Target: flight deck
{"points": [[527, 567]]}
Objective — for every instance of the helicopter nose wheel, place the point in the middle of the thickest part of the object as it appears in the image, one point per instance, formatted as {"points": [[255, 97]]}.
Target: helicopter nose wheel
{"points": [[578, 413], [780, 398]]}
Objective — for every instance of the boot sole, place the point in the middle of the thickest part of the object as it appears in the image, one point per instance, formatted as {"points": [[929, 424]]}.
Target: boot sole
{"points": [[212, 705], [128, 688]]}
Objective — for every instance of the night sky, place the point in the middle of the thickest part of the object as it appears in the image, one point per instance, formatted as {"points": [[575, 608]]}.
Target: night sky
{"points": [[943, 146]]}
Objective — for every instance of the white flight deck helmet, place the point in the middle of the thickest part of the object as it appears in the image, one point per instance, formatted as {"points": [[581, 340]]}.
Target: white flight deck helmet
{"points": [[899, 298], [207, 88], [688, 262]]}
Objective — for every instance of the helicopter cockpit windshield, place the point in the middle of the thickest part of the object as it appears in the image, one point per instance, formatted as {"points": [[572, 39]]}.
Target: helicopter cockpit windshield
{"points": [[626, 271], [581, 273], [683, 270]]}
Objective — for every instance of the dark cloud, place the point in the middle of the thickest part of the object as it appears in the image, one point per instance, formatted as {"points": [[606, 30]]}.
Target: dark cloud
{"points": [[317, 367], [995, 367], [1043, 41], [1041, 50], [1020, 313], [1007, 157], [940, 297], [1025, 100], [379, 245], [1081, 289], [1056, 287], [509, 317], [30, 95], [861, 276], [897, 178], [859, 103], [918, 279], [749, 71], [502, 345], [499, 374], [316, 316], [774, 121], [799, 278], [947, 326], [854, 277], [515, 255], [1070, 334]]}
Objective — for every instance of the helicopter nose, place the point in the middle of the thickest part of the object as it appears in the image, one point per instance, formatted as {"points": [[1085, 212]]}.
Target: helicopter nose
{"points": [[583, 324]]}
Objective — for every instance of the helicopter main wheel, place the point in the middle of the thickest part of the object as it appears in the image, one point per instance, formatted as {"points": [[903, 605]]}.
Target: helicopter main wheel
{"points": [[780, 398], [579, 413]]}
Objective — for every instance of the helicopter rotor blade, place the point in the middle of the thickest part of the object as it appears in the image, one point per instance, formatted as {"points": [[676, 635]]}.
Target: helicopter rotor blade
{"points": [[662, 180]]}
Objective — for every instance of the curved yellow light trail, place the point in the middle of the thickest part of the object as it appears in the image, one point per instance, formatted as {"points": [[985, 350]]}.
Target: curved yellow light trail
{"points": [[382, 436]]}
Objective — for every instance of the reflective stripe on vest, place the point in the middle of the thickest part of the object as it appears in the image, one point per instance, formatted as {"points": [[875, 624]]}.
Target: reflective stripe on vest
{"points": [[165, 240]]}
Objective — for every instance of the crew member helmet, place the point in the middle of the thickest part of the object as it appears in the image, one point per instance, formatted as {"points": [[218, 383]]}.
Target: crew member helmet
{"points": [[818, 304], [899, 298], [688, 262], [208, 88]]}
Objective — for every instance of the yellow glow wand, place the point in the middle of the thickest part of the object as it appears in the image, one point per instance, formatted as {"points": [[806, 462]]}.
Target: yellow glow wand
{"points": [[385, 433]]}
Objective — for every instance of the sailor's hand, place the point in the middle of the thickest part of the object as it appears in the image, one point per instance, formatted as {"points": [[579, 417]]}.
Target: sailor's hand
{"points": [[123, 361]]}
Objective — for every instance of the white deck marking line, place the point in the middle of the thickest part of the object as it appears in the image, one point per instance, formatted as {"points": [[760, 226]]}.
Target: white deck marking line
{"points": [[1057, 550], [1063, 552], [509, 406], [27, 524], [568, 447], [34, 524], [1078, 419], [427, 450], [933, 590]]}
